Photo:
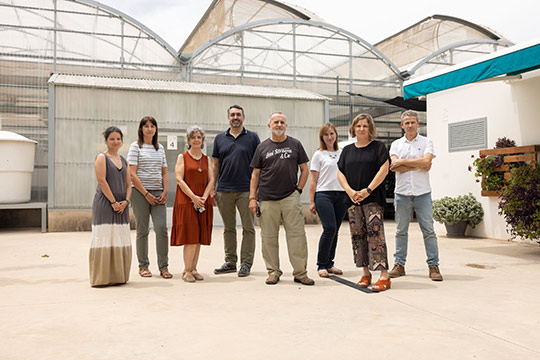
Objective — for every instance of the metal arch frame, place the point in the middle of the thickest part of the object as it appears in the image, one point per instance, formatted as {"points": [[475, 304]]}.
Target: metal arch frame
{"points": [[211, 7], [134, 22], [455, 45], [187, 59]]}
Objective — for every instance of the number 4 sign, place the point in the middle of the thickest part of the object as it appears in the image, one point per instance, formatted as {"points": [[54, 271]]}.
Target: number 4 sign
{"points": [[172, 142]]}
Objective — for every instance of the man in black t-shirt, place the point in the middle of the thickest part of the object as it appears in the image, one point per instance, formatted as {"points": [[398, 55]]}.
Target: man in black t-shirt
{"points": [[274, 183]]}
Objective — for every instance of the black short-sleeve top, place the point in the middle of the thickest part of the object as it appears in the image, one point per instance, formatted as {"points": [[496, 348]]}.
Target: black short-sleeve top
{"points": [[360, 165]]}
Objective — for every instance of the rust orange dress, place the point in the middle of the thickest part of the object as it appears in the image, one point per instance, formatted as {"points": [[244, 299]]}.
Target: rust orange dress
{"points": [[189, 226]]}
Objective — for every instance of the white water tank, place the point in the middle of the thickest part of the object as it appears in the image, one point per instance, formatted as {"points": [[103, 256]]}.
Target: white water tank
{"points": [[16, 167]]}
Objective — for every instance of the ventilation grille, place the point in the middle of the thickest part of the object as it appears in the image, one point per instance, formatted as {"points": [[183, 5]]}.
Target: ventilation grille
{"points": [[467, 135]]}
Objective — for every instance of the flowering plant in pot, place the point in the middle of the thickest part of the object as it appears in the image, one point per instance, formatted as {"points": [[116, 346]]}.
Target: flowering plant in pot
{"points": [[519, 203], [488, 167], [458, 212], [485, 166]]}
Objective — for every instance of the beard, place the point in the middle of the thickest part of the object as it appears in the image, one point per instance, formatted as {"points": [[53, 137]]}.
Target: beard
{"points": [[278, 132], [236, 123]]}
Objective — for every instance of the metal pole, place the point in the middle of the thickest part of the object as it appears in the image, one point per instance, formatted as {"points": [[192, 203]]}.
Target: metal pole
{"points": [[122, 47], [350, 81], [294, 55], [242, 58], [54, 36], [51, 148]]}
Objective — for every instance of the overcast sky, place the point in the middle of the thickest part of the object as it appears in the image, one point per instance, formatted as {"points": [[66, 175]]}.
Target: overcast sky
{"points": [[373, 20]]}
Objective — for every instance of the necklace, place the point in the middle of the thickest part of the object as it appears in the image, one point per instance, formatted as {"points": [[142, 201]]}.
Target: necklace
{"points": [[198, 161]]}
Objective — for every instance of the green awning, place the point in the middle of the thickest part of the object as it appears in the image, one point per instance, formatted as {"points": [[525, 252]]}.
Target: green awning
{"points": [[512, 61]]}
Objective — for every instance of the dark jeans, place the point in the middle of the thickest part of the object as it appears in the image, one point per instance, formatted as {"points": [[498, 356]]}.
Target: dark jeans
{"points": [[331, 209]]}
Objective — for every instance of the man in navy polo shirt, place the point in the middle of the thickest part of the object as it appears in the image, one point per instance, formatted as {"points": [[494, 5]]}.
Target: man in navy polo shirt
{"points": [[233, 151]]}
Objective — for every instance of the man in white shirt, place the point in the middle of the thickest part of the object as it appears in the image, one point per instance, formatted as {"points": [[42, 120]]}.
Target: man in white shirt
{"points": [[411, 158]]}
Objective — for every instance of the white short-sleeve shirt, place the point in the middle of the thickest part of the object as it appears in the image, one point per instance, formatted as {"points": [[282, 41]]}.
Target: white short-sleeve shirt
{"points": [[325, 163], [414, 182]]}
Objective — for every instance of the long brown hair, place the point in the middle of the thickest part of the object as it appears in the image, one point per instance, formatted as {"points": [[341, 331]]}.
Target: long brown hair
{"points": [[140, 140], [322, 131]]}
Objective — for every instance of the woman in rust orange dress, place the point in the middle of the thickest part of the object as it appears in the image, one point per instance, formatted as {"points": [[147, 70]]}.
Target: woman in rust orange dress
{"points": [[192, 212]]}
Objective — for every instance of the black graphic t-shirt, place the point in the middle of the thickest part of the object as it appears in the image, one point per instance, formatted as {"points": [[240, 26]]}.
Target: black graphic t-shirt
{"points": [[278, 162]]}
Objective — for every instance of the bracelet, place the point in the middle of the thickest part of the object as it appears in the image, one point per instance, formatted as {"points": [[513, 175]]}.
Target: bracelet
{"points": [[129, 202], [113, 202], [252, 198], [146, 194]]}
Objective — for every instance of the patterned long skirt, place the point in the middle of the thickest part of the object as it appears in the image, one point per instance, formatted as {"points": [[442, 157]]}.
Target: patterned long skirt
{"points": [[367, 234]]}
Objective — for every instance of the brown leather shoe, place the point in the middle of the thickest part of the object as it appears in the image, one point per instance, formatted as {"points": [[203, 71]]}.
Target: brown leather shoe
{"points": [[272, 280], [434, 273], [397, 271], [305, 281]]}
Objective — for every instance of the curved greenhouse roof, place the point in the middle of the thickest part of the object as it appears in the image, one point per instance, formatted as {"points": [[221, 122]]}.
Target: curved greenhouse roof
{"points": [[79, 32], [428, 37], [223, 15]]}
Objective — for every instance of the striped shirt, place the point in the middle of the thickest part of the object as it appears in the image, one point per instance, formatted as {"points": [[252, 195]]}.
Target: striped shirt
{"points": [[149, 163]]}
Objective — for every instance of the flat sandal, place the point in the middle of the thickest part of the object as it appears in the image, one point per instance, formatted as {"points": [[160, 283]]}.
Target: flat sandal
{"points": [[144, 272]]}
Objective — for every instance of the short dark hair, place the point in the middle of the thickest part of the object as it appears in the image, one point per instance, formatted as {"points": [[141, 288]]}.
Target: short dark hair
{"points": [[140, 139], [236, 107], [108, 131]]}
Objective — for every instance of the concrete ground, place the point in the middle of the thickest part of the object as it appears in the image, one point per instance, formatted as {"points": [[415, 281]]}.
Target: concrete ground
{"points": [[487, 307]]}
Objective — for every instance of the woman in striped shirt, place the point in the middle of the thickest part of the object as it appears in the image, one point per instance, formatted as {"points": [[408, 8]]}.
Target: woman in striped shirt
{"points": [[148, 168]]}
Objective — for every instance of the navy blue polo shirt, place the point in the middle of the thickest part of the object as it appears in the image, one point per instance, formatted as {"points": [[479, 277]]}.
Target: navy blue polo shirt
{"points": [[235, 156]]}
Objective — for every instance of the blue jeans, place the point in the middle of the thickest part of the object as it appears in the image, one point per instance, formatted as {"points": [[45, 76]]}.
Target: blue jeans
{"points": [[331, 209], [422, 205]]}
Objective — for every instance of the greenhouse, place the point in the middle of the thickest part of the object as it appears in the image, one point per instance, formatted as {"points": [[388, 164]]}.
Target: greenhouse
{"points": [[241, 43]]}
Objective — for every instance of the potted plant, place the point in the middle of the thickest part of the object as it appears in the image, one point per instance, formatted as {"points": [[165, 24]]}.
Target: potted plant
{"points": [[458, 212], [520, 203]]}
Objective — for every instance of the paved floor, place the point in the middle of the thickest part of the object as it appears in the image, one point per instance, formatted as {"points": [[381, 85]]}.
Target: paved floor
{"points": [[488, 306]]}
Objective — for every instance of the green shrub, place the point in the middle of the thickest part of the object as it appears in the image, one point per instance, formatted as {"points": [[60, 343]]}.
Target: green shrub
{"points": [[462, 208]]}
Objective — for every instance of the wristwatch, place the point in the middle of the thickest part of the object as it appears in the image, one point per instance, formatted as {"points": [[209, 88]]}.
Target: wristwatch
{"points": [[299, 190], [368, 190]]}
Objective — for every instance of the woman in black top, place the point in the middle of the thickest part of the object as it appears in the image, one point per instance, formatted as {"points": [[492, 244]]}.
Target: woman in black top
{"points": [[363, 166]]}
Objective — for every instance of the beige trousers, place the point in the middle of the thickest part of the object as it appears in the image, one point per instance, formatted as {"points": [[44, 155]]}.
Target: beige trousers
{"points": [[289, 212]]}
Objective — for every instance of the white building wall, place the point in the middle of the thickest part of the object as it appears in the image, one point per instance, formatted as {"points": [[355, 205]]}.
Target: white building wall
{"points": [[512, 110]]}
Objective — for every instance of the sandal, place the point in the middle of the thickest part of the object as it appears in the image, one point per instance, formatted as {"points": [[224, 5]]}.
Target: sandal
{"points": [[165, 274], [364, 282], [381, 285], [196, 275], [188, 277], [145, 272], [334, 270], [323, 273]]}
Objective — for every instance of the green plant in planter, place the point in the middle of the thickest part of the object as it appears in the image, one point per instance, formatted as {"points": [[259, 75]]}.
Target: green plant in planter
{"points": [[451, 210], [519, 203], [485, 165]]}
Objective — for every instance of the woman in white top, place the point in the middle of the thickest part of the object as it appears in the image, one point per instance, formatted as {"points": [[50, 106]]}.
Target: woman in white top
{"points": [[327, 197], [148, 168]]}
